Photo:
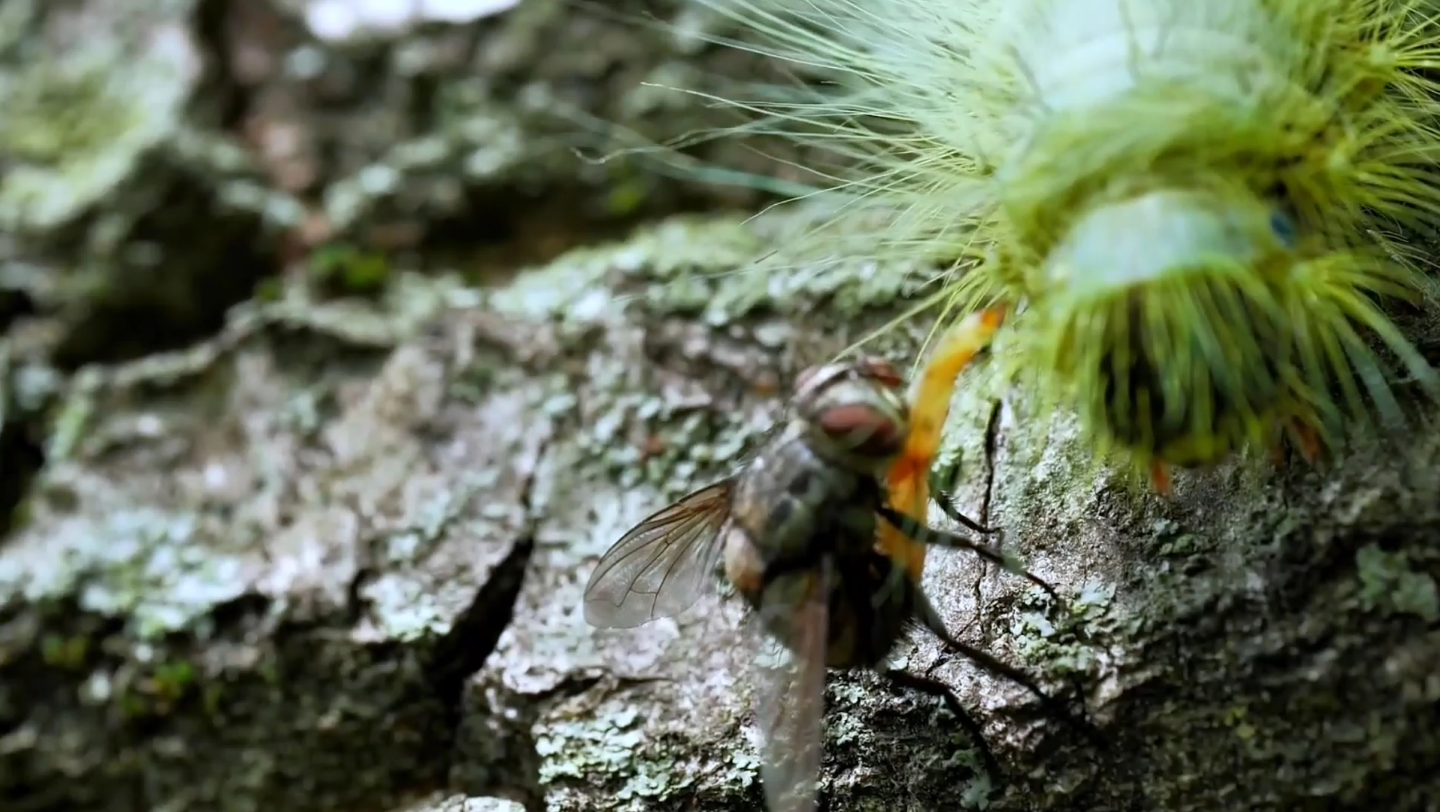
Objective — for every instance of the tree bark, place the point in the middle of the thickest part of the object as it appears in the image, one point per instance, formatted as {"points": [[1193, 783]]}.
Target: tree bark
{"points": [[326, 563], [331, 557]]}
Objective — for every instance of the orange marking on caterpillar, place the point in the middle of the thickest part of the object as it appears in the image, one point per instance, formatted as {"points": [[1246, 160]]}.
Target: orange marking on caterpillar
{"points": [[1308, 441], [1303, 437], [908, 482], [1160, 478]]}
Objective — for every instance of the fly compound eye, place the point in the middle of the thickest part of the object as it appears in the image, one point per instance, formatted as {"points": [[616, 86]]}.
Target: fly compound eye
{"points": [[815, 384], [861, 428], [806, 378], [878, 369]]}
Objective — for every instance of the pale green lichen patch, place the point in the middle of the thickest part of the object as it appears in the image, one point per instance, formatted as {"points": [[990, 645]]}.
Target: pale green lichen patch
{"points": [[77, 121], [580, 749], [1388, 583], [684, 247], [444, 802], [483, 143], [676, 449], [749, 278], [615, 749], [567, 286], [407, 606], [151, 567], [843, 727], [710, 267], [636, 423], [1063, 644], [679, 249], [406, 610]]}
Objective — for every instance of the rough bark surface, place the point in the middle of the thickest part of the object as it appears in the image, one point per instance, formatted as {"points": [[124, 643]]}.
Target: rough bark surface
{"points": [[329, 556], [162, 158], [325, 562]]}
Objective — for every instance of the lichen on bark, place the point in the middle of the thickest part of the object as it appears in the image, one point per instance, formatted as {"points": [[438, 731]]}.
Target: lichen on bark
{"points": [[296, 552], [330, 557], [1262, 639], [240, 586], [251, 568]]}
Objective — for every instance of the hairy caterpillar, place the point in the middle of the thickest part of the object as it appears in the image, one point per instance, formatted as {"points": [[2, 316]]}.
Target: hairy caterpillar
{"points": [[1192, 208]]}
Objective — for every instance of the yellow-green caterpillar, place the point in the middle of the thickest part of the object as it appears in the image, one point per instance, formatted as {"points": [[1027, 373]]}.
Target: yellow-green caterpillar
{"points": [[1195, 205]]}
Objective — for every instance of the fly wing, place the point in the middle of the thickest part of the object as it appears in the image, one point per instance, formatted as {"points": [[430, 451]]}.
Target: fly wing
{"points": [[662, 565], [790, 693]]}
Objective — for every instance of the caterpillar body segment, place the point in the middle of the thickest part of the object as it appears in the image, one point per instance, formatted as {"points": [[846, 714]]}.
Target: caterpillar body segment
{"points": [[1194, 210]]}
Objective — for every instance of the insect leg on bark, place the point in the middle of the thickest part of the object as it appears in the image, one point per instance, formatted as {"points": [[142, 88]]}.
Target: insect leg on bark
{"points": [[940, 538], [947, 505], [972, 726], [925, 612]]}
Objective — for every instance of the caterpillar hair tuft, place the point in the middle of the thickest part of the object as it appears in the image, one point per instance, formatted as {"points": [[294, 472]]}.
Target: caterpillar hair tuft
{"points": [[1194, 209]]}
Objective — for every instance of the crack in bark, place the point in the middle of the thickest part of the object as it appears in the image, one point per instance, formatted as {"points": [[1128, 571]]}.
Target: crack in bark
{"points": [[992, 439], [477, 630]]}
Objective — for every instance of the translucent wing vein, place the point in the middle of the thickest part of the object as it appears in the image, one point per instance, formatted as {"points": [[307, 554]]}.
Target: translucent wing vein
{"points": [[662, 565]]}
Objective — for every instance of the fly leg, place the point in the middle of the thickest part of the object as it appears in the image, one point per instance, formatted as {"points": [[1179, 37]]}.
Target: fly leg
{"points": [[935, 688], [947, 506], [940, 538], [925, 612]]}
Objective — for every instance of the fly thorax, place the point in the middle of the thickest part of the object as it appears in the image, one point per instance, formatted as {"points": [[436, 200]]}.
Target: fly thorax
{"points": [[786, 501]]}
